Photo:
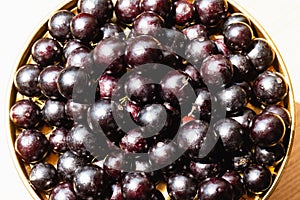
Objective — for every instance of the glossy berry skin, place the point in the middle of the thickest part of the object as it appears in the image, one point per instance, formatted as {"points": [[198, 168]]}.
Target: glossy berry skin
{"points": [[84, 27], [112, 30], [216, 70], [211, 12], [234, 18], [257, 178], [127, 10], [153, 125], [234, 178], [147, 23], [116, 192], [109, 56], [67, 164], [261, 55], [134, 141], [58, 139], [54, 113], [63, 190], [215, 188], [46, 51], [232, 99], [270, 156], [198, 50], [81, 141], [238, 36], [191, 137], [136, 185], [162, 154], [43, 176], [244, 117], [101, 9], [26, 80], [267, 130], [281, 111], [31, 145], [72, 82], [182, 186], [243, 68], [194, 75], [202, 170], [221, 46], [202, 104], [71, 45], [149, 48], [59, 25], [195, 31], [231, 134], [47, 81], [161, 7], [76, 112], [270, 87], [107, 86], [88, 182], [81, 57], [184, 12], [114, 164], [101, 119], [25, 114]]}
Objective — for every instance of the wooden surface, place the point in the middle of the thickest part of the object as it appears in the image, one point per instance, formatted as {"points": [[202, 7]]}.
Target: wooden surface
{"points": [[289, 185]]}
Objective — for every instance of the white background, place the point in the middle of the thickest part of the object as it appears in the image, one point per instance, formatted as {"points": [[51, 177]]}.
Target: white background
{"points": [[19, 19]]}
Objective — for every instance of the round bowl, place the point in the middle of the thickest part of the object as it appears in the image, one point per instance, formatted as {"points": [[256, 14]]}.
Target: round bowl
{"points": [[25, 58]]}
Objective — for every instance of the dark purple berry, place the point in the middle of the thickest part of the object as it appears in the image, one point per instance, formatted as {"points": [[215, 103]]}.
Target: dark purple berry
{"points": [[243, 68], [134, 141], [182, 186], [196, 31], [101, 9], [211, 12], [238, 36], [109, 56], [232, 99], [231, 134], [46, 51], [114, 165], [31, 145], [88, 182], [202, 170], [184, 12], [234, 18], [137, 186], [54, 113], [235, 179], [43, 176], [48, 81], [257, 178], [71, 45], [58, 139], [270, 87], [269, 156], [281, 111], [198, 50], [25, 114], [59, 25], [68, 163], [112, 30], [81, 57], [85, 27], [147, 23], [261, 55], [267, 130], [127, 10], [63, 190], [216, 70], [215, 188], [26, 80], [161, 7], [143, 49]]}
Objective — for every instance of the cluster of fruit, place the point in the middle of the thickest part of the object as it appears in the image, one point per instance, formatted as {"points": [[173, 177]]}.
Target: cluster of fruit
{"points": [[136, 95]]}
